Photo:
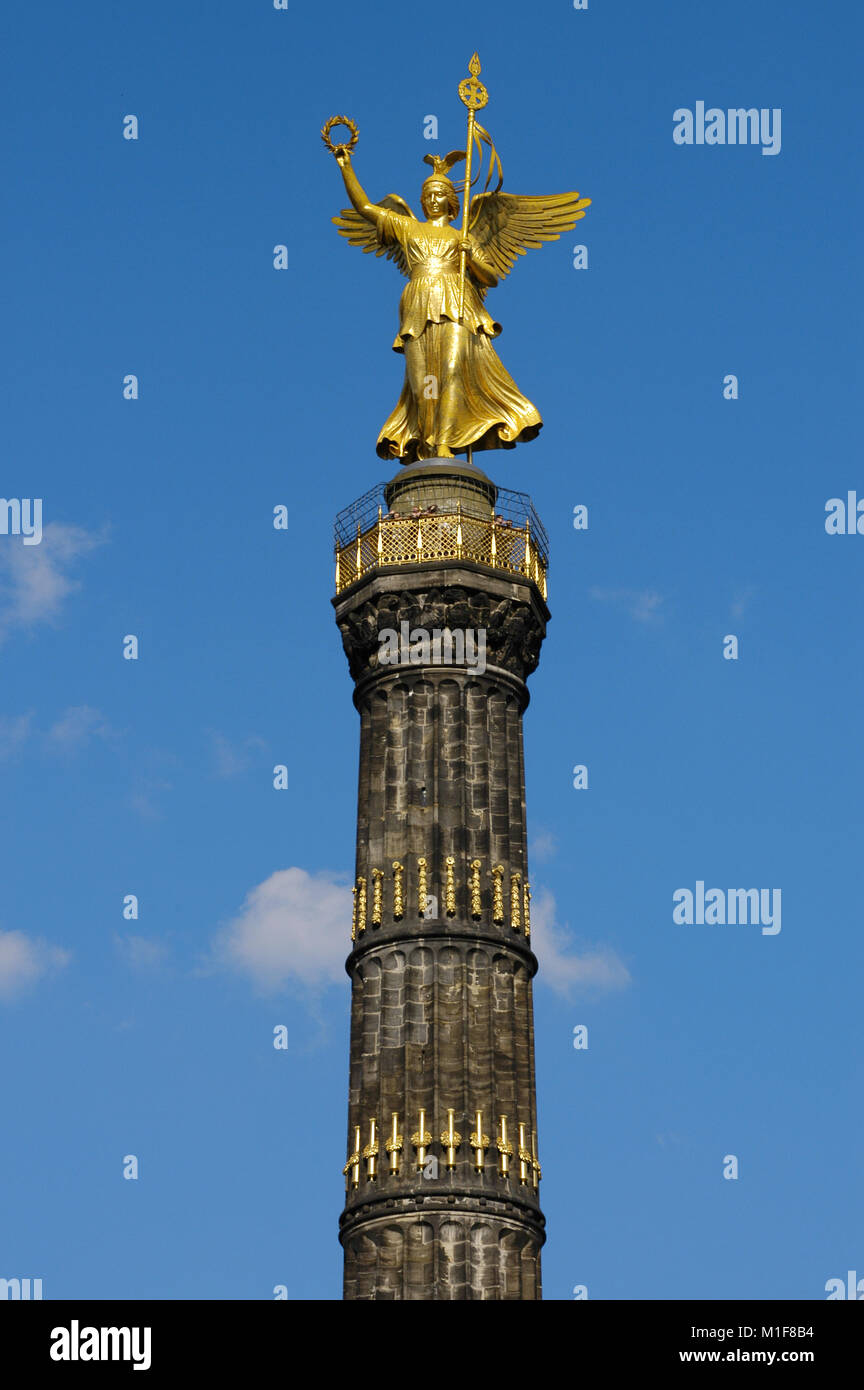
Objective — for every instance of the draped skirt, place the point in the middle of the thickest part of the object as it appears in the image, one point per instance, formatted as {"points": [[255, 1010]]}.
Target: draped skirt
{"points": [[456, 393]]}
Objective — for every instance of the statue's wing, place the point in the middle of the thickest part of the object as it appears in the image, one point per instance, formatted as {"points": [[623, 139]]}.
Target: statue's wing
{"points": [[506, 225], [364, 234]]}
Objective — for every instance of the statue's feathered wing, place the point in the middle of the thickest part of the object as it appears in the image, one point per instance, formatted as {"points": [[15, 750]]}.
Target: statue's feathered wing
{"points": [[364, 234], [506, 225]]}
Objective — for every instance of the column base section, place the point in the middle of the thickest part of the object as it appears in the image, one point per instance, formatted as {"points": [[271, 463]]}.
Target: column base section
{"points": [[445, 1252]]}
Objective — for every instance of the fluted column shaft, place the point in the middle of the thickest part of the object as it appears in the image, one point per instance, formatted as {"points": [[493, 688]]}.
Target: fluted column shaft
{"points": [[441, 962]]}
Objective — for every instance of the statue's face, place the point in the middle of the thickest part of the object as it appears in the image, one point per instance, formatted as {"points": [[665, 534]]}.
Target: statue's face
{"points": [[436, 201]]}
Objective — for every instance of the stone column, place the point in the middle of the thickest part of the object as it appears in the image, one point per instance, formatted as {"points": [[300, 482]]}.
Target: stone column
{"points": [[441, 962]]}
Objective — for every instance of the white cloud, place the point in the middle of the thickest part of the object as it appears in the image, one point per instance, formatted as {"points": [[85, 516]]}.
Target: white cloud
{"points": [[741, 600], [293, 926], [35, 580], [234, 758], [561, 967], [143, 798], [296, 926], [74, 729], [14, 733], [141, 952], [643, 605], [152, 782], [24, 959], [70, 733], [543, 847]]}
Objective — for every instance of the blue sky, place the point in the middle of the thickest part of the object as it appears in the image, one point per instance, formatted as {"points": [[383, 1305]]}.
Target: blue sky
{"points": [[260, 387]]}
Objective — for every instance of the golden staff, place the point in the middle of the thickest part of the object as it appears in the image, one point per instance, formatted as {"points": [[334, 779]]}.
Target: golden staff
{"points": [[474, 95]]}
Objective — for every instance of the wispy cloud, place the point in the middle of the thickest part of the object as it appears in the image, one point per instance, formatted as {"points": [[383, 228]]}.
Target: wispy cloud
{"points": [[77, 726], [563, 968], [741, 600], [14, 733], [70, 733], [233, 758], [293, 926], [543, 847], [143, 797], [643, 605], [36, 580], [24, 960], [154, 777], [141, 952]]}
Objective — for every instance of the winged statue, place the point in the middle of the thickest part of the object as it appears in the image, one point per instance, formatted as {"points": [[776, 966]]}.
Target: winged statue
{"points": [[457, 395]]}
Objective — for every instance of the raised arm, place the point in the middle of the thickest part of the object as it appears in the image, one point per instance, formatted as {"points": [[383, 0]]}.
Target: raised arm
{"points": [[359, 198]]}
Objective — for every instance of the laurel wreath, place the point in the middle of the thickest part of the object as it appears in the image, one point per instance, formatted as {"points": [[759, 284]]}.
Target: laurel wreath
{"points": [[340, 120]]}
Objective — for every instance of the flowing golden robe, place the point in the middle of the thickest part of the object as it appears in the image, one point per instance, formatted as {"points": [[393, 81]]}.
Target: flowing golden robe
{"points": [[456, 392]]}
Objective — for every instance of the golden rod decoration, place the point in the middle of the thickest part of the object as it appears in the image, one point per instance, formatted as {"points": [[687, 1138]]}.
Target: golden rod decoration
{"points": [[394, 1146], [421, 1139], [352, 1167], [355, 1177], [536, 1169], [504, 1147], [474, 883], [474, 95], [354, 913], [515, 904], [525, 1158], [361, 905], [451, 1139], [498, 894], [398, 891], [450, 886], [377, 897], [421, 887], [479, 1141], [526, 902], [370, 1153]]}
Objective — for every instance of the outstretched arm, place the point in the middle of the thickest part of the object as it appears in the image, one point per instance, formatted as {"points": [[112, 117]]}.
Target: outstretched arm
{"points": [[359, 198]]}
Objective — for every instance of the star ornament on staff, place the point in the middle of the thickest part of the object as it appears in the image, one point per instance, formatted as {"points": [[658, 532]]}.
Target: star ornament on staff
{"points": [[446, 332]]}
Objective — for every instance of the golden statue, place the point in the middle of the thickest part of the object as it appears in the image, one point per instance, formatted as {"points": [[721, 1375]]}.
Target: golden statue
{"points": [[457, 395]]}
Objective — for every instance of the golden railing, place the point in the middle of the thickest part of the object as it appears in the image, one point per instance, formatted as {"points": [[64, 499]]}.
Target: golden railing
{"points": [[415, 540]]}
